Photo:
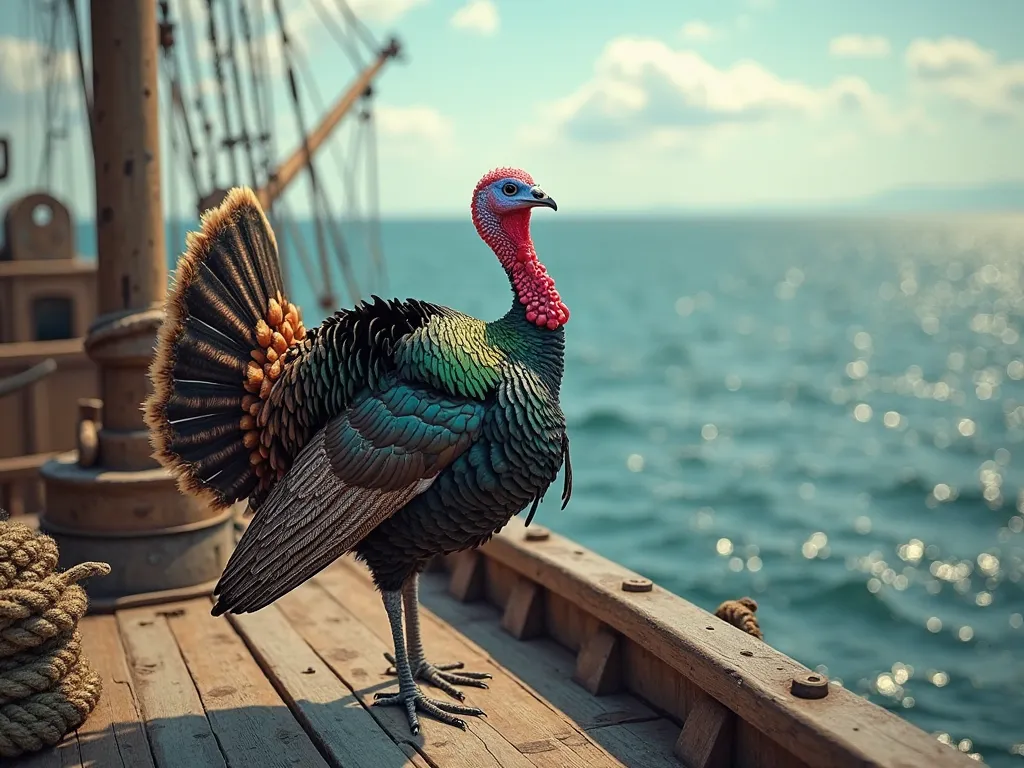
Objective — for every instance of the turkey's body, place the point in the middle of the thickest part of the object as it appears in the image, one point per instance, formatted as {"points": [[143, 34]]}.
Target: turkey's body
{"points": [[397, 430], [513, 462]]}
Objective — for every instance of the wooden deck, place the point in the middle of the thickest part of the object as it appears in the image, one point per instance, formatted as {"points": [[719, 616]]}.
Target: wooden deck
{"points": [[292, 684], [592, 667]]}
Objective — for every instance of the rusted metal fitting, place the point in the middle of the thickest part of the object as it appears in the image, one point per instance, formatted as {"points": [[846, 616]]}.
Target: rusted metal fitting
{"points": [[637, 585], [813, 685], [537, 533]]}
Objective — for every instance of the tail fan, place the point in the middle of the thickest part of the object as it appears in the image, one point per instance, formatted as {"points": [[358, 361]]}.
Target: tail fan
{"points": [[218, 353]]}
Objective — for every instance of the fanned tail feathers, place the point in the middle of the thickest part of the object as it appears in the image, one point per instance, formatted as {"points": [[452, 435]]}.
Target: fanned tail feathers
{"points": [[225, 314]]}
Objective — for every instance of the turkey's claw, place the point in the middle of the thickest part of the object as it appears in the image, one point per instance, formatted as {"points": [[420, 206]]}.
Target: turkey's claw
{"points": [[441, 676], [414, 701]]}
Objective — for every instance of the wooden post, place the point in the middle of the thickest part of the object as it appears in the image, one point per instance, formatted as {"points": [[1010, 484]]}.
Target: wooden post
{"points": [[126, 509]]}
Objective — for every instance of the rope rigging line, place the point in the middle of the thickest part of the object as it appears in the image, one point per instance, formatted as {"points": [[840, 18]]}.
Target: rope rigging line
{"points": [[192, 57], [82, 78], [374, 239], [178, 108], [337, 238], [47, 686], [357, 26], [292, 230], [228, 141], [339, 35], [173, 179], [326, 297], [243, 137], [49, 99], [262, 99], [345, 172], [256, 87]]}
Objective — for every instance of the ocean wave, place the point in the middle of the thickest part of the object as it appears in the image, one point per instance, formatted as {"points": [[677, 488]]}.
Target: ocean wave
{"points": [[606, 420]]}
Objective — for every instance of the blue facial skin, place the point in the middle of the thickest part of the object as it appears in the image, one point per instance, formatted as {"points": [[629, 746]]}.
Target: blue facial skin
{"points": [[511, 194]]}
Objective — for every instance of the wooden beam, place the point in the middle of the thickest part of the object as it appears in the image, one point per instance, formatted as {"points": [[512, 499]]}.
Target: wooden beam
{"points": [[19, 354], [19, 381], [23, 467], [467, 580], [524, 611], [707, 736], [286, 172], [599, 662]]}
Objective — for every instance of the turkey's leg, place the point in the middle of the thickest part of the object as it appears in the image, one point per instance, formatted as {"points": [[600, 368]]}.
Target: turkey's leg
{"points": [[409, 694], [438, 675]]}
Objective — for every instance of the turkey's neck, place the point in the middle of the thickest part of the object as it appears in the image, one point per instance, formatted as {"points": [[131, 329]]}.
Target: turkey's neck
{"points": [[536, 298]]}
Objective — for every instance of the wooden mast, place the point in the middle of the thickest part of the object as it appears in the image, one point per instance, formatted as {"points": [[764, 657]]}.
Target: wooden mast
{"points": [[125, 509]]}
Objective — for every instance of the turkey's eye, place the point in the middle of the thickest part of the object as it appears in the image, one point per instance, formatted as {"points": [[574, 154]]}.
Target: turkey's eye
{"points": [[509, 189]]}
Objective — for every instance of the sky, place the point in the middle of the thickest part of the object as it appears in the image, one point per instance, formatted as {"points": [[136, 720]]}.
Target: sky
{"points": [[619, 107]]}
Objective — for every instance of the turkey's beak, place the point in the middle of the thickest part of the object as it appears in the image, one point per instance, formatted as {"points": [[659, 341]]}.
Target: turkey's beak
{"points": [[541, 198]]}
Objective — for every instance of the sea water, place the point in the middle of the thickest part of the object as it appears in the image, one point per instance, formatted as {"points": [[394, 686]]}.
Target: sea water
{"points": [[826, 415]]}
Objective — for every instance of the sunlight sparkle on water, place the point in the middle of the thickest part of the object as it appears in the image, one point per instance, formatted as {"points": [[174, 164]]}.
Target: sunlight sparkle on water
{"points": [[862, 412]]}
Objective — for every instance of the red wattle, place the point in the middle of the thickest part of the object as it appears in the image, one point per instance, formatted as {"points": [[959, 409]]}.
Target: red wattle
{"points": [[508, 235]]}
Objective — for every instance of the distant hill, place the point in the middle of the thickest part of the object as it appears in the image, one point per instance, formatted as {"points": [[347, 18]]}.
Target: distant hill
{"points": [[1001, 196]]}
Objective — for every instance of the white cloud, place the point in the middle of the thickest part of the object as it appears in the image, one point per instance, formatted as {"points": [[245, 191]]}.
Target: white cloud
{"points": [[479, 16], [698, 31], [642, 88], [415, 125], [382, 11], [859, 47], [22, 65], [853, 96], [948, 57], [966, 72]]}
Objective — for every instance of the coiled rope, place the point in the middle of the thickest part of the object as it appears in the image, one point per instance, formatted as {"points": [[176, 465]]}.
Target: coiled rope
{"points": [[47, 687], [740, 613]]}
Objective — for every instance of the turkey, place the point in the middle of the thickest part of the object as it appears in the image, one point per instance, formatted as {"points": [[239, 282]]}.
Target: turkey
{"points": [[396, 430]]}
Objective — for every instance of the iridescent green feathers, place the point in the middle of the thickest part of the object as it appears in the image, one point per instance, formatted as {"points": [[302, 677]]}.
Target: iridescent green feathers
{"points": [[453, 353]]}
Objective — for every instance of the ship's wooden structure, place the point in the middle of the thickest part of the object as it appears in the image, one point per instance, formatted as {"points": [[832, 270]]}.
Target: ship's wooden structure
{"points": [[593, 664]]}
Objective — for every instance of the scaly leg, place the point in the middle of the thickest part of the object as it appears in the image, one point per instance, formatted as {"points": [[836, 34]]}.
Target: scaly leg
{"points": [[409, 695], [438, 675]]}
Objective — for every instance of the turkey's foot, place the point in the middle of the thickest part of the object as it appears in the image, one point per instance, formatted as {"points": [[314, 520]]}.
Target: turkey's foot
{"points": [[441, 676], [414, 701]]}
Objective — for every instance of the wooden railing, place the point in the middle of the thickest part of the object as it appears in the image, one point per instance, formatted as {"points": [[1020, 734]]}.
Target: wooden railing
{"points": [[738, 700], [18, 476]]}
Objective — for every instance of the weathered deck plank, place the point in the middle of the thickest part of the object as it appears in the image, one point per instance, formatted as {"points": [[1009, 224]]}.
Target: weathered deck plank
{"points": [[66, 754], [114, 734], [335, 719], [356, 654], [533, 726], [646, 744], [251, 722], [179, 731]]}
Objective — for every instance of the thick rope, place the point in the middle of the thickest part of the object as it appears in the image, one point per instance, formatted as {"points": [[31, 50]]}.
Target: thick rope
{"points": [[740, 613], [47, 687]]}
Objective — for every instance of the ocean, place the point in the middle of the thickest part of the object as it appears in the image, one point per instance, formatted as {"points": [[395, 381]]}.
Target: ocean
{"points": [[826, 415]]}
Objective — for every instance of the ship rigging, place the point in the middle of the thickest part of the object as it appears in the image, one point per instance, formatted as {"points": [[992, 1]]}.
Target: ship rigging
{"points": [[220, 61]]}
